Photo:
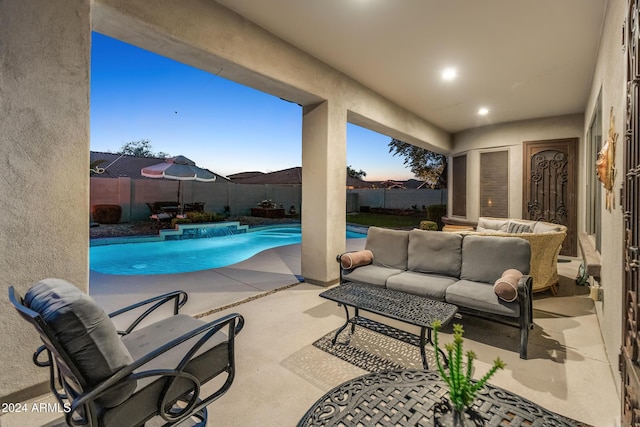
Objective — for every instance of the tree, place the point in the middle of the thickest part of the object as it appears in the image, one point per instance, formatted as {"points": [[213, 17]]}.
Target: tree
{"points": [[141, 148], [355, 174], [426, 165]]}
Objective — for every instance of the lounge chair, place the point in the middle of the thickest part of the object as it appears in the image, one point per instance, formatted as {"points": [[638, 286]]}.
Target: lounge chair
{"points": [[110, 377]]}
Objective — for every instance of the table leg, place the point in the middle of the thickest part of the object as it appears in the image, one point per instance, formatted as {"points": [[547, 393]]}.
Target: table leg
{"points": [[423, 344], [335, 337], [430, 341]]}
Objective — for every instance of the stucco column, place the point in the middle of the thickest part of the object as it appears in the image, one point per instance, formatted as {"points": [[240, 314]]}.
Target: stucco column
{"points": [[324, 170], [45, 53]]}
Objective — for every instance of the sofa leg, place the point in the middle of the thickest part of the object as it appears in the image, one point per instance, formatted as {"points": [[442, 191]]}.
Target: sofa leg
{"points": [[524, 339]]}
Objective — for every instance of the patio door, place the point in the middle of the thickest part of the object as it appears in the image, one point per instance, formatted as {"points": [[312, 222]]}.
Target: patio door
{"points": [[630, 355], [549, 186]]}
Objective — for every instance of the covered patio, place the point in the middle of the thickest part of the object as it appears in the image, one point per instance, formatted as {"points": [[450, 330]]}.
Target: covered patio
{"points": [[286, 374], [45, 83]]}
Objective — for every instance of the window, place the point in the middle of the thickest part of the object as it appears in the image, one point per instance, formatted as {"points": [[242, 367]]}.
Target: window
{"points": [[494, 184], [594, 189], [459, 186]]}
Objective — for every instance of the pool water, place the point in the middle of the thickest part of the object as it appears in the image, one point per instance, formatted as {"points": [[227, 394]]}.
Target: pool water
{"points": [[181, 256]]}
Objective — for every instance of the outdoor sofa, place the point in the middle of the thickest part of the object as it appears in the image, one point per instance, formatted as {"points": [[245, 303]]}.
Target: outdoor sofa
{"points": [[458, 269]]}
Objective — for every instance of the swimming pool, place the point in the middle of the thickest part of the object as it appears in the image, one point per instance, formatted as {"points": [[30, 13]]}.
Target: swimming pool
{"points": [[181, 256]]}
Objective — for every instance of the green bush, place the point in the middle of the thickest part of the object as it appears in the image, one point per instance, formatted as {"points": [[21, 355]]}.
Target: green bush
{"points": [[428, 225], [197, 217], [106, 214]]}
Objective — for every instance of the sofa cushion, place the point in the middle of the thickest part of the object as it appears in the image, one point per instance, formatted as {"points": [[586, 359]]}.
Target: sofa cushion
{"points": [[84, 331], [516, 227], [389, 247], [435, 252], [480, 296], [546, 227], [485, 258], [370, 274], [432, 286], [488, 225]]}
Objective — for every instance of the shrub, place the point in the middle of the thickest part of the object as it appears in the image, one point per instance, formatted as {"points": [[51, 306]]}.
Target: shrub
{"points": [[428, 225], [106, 214], [197, 217]]}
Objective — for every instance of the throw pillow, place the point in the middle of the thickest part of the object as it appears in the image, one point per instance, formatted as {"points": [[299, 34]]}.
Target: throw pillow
{"points": [[518, 227], [506, 287], [355, 259], [85, 332]]}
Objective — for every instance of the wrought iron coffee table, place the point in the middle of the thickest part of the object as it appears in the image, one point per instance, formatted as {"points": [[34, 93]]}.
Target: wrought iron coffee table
{"points": [[412, 309], [413, 398]]}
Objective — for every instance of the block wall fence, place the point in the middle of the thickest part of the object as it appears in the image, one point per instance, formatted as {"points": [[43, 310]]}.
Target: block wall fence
{"points": [[134, 194]]}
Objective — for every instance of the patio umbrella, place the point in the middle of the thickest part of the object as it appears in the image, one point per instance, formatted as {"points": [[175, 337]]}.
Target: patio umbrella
{"points": [[179, 168]]}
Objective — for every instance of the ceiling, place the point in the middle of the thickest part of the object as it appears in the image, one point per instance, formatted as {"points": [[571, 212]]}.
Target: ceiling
{"points": [[520, 59]]}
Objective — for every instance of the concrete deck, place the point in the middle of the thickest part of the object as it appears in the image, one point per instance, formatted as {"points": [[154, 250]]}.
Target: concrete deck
{"points": [[280, 374]]}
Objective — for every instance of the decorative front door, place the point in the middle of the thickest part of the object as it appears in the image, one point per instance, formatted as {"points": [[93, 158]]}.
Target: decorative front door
{"points": [[549, 181], [630, 357]]}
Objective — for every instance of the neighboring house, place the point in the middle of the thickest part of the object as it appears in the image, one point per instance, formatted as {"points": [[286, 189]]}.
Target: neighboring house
{"points": [[291, 176], [115, 165]]}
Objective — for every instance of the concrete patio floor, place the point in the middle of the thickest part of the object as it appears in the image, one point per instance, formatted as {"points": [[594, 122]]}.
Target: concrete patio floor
{"points": [[280, 374]]}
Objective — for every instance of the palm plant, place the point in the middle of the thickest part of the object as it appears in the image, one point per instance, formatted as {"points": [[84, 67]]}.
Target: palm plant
{"points": [[462, 388]]}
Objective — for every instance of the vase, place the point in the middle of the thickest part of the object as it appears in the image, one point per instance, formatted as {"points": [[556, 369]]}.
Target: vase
{"points": [[454, 418]]}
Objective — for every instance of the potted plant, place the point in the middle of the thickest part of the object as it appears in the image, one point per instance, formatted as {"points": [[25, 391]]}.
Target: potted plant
{"points": [[462, 388]]}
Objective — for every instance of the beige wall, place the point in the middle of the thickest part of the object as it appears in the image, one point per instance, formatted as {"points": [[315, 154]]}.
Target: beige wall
{"points": [[507, 136], [44, 146], [609, 76]]}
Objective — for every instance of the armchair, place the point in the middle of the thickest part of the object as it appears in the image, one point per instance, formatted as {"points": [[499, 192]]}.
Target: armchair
{"points": [[108, 377]]}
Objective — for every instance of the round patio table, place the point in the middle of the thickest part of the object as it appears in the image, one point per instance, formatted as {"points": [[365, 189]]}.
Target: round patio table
{"points": [[413, 398]]}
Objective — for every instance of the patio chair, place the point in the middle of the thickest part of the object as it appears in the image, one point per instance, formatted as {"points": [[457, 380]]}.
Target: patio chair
{"points": [[108, 377]]}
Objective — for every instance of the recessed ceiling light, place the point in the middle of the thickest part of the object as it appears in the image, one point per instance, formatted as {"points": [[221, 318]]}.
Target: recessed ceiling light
{"points": [[483, 111], [449, 74]]}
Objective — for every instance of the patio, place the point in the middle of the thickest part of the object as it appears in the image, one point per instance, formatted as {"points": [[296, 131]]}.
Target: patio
{"points": [[280, 374]]}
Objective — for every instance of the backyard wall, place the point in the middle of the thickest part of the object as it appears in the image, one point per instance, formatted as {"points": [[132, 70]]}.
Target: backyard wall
{"points": [[134, 194], [395, 198]]}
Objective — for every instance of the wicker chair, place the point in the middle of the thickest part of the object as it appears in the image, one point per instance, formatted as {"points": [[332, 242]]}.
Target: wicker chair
{"points": [[545, 248], [108, 377]]}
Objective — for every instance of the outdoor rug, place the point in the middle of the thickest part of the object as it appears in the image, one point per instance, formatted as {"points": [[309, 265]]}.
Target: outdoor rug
{"points": [[373, 351]]}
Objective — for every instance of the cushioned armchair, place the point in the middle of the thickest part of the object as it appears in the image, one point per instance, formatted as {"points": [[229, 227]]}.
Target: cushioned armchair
{"points": [[152, 368]]}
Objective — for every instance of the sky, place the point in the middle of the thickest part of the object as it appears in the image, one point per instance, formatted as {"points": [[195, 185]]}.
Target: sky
{"points": [[221, 125]]}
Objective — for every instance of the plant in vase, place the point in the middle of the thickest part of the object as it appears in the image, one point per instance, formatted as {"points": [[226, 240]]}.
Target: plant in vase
{"points": [[462, 388]]}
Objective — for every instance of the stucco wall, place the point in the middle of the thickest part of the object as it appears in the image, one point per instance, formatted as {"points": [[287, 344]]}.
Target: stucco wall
{"points": [[508, 136], [44, 147], [609, 77], [134, 195]]}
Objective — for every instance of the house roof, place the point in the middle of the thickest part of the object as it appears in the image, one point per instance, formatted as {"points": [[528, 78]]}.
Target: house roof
{"points": [[293, 176], [122, 165]]}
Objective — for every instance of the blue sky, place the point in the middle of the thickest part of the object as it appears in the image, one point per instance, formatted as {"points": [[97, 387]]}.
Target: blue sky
{"points": [[136, 94]]}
